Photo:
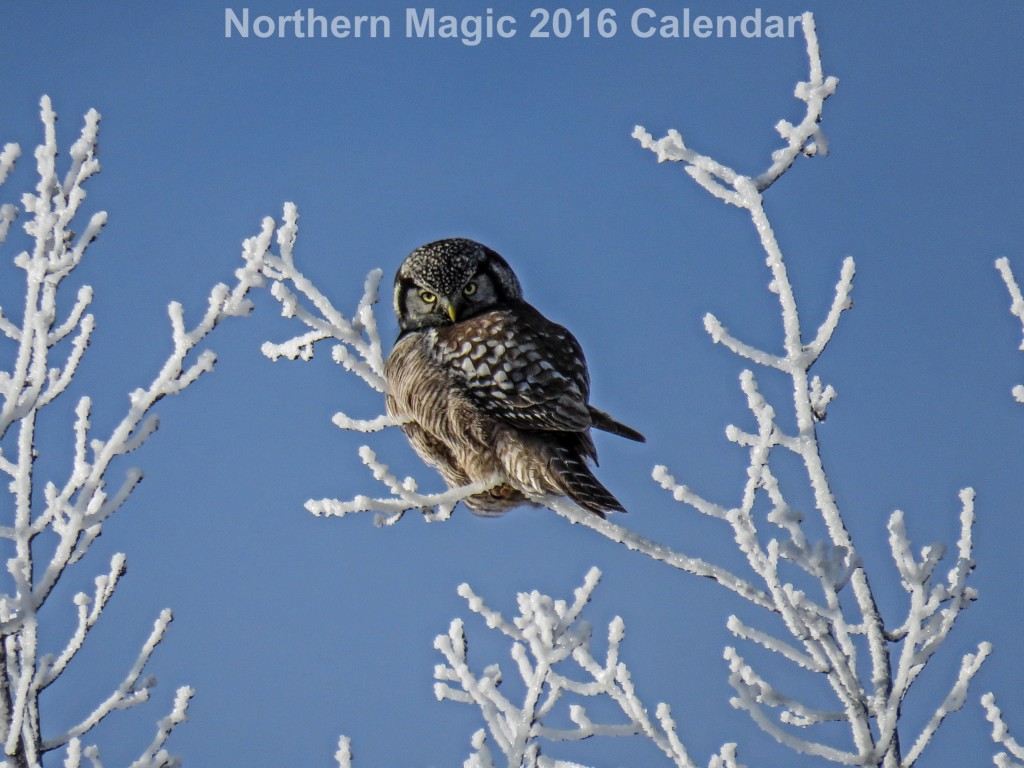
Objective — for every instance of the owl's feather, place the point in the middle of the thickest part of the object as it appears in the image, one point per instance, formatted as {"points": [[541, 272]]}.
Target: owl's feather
{"points": [[520, 367], [601, 420]]}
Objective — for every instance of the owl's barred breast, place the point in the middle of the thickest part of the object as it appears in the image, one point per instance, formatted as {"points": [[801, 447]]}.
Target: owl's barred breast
{"points": [[444, 426], [485, 403]]}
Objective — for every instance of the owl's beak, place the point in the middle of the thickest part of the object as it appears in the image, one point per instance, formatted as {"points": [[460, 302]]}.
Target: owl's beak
{"points": [[449, 308]]}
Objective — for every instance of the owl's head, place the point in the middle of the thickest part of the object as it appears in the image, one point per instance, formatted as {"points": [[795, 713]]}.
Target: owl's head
{"points": [[447, 281]]}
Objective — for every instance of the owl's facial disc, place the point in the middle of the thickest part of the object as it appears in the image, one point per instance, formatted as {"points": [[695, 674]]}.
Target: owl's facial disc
{"points": [[449, 281], [441, 306]]}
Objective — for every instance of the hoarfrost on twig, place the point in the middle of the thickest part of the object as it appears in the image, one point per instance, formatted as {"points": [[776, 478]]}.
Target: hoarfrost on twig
{"points": [[388, 511], [1014, 755], [343, 757], [1016, 308], [290, 286]]}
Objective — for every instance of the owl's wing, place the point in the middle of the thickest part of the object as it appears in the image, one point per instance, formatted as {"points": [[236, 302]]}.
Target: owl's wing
{"points": [[522, 368]]}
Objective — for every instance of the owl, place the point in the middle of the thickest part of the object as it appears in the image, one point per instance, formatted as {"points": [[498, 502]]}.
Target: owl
{"points": [[489, 390]]}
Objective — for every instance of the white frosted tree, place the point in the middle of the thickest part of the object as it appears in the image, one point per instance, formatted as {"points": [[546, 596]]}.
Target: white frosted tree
{"points": [[50, 523], [803, 574]]}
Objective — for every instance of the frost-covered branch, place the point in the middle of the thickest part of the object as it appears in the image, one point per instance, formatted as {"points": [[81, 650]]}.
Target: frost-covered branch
{"points": [[357, 344], [804, 138], [130, 692], [343, 757], [155, 755], [1016, 308], [1014, 755], [551, 652], [405, 496], [631, 540], [54, 522]]}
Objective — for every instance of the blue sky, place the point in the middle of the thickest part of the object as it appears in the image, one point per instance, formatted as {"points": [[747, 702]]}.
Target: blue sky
{"points": [[295, 629]]}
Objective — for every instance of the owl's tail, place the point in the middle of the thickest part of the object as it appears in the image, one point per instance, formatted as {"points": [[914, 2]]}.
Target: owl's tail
{"points": [[601, 420], [542, 463], [580, 485]]}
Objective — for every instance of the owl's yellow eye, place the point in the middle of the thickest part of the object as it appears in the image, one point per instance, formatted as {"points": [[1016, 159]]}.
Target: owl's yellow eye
{"points": [[469, 290], [428, 297]]}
